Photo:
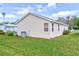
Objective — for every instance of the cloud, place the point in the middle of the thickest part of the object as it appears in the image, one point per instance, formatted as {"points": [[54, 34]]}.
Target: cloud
{"points": [[51, 5], [24, 10], [39, 10], [39, 6], [8, 16], [65, 13]]}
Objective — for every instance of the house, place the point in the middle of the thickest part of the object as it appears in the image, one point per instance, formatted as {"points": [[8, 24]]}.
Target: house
{"points": [[35, 25], [11, 27], [8, 27], [1, 27]]}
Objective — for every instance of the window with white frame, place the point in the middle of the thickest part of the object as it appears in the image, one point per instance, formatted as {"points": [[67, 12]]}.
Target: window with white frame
{"points": [[23, 33], [46, 27]]}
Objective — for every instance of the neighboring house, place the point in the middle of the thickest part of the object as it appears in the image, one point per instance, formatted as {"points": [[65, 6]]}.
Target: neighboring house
{"points": [[11, 27], [7, 27], [35, 25], [1, 26]]}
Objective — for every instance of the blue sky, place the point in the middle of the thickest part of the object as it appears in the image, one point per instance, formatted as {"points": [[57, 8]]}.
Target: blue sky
{"points": [[15, 11]]}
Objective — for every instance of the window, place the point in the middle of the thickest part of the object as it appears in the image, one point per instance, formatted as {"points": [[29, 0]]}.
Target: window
{"points": [[52, 27], [45, 27], [58, 27], [23, 33]]}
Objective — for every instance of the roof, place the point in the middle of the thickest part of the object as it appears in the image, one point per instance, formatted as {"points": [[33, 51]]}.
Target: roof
{"points": [[40, 16], [11, 25]]}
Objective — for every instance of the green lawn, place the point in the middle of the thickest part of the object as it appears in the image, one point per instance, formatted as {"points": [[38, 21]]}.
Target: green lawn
{"points": [[63, 45]]}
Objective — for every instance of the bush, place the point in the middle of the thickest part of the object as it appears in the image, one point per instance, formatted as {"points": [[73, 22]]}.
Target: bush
{"points": [[2, 32], [76, 27], [10, 33], [66, 32]]}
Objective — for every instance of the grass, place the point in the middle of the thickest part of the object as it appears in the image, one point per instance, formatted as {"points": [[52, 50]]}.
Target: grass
{"points": [[65, 45]]}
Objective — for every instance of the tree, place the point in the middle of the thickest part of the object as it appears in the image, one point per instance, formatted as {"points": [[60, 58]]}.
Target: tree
{"points": [[76, 22], [3, 13], [68, 20]]}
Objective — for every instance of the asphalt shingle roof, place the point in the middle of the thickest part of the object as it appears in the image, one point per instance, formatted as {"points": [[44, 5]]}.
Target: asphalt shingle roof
{"points": [[40, 16]]}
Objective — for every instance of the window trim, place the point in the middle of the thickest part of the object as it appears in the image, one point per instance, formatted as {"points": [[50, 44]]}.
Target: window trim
{"points": [[24, 33]]}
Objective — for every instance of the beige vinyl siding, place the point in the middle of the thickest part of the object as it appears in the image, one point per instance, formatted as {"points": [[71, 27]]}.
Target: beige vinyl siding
{"points": [[58, 30], [34, 27]]}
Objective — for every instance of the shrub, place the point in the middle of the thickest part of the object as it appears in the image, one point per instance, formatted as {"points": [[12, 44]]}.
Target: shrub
{"points": [[76, 27], [10, 33], [66, 32], [2, 32]]}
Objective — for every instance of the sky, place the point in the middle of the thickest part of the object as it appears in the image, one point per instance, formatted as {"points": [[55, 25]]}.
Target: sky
{"points": [[15, 11]]}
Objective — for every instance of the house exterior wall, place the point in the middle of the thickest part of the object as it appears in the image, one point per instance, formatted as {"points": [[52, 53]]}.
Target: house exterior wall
{"points": [[10, 28], [1, 27], [57, 32], [34, 27], [7, 28]]}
